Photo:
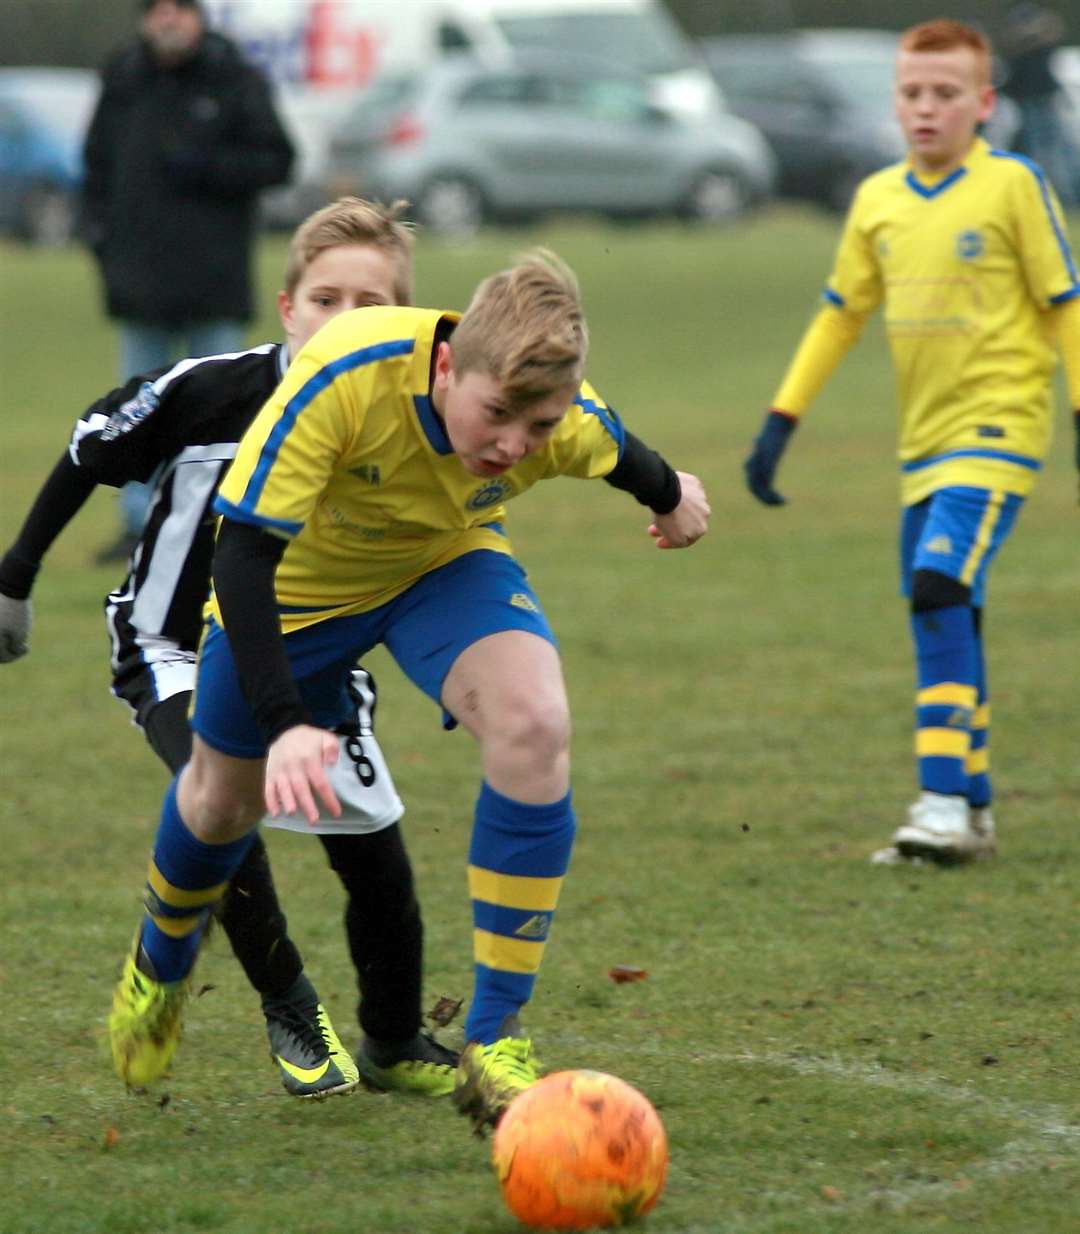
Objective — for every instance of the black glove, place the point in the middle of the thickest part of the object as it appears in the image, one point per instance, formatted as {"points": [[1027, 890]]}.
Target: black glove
{"points": [[769, 446]]}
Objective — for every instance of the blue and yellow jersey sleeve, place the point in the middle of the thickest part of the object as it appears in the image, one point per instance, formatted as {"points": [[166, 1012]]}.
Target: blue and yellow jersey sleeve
{"points": [[856, 285], [1066, 322], [589, 441], [852, 293]]}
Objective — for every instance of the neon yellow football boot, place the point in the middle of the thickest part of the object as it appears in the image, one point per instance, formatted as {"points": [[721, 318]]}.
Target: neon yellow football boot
{"points": [[489, 1077], [422, 1066], [145, 1022]]}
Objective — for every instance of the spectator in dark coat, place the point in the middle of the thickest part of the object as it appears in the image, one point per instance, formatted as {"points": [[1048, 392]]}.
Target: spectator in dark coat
{"points": [[184, 137]]}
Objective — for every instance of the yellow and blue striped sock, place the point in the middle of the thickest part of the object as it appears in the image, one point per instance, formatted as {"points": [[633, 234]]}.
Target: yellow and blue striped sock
{"points": [[185, 880], [517, 859], [945, 654]]}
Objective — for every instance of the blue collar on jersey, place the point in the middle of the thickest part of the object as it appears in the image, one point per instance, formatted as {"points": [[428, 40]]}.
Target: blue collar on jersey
{"points": [[432, 425], [934, 190]]}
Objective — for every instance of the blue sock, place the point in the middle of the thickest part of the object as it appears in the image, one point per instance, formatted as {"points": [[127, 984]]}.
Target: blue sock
{"points": [[945, 653], [517, 859], [186, 879]]}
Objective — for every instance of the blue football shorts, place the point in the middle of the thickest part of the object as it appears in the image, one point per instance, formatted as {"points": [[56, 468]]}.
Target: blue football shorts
{"points": [[957, 532], [425, 629]]}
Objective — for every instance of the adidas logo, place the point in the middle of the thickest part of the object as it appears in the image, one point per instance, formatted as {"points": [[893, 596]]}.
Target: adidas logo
{"points": [[520, 600], [940, 544], [368, 472], [536, 927]]}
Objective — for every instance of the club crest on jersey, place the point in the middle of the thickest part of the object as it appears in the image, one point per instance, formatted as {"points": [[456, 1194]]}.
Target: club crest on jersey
{"points": [[132, 413], [490, 495], [970, 245]]}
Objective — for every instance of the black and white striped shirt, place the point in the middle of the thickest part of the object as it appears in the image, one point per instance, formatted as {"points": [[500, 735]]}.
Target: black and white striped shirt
{"points": [[180, 425]]}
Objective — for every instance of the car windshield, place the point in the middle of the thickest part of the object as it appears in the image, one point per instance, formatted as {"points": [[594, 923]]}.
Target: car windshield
{"points": [[644, 43], [865, 81]]}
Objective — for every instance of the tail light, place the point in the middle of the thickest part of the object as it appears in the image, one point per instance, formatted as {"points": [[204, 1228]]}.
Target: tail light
{"points": [[405, 130]]}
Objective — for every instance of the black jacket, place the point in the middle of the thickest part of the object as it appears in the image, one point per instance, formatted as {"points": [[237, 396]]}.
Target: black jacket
{"points": [[175, 159]]}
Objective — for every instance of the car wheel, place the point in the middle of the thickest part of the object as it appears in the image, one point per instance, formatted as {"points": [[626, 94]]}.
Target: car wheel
{"points": [[48, 216], [717, 196], [451, 206]]}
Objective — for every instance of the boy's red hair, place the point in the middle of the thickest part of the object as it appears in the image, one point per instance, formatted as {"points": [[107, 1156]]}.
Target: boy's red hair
{"points": [[944, 34]]}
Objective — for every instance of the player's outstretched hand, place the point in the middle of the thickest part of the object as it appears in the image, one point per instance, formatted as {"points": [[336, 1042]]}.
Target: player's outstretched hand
{"points": [[16, 617], [688, 522], [769, 446], [296, 775]]}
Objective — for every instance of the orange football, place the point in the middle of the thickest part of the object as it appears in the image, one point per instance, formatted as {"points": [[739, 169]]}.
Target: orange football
{"points": [[580, 1150]]}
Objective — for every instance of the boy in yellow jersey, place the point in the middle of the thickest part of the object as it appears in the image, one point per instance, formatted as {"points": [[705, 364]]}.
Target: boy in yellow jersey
{"points": [[365, 505], [965, 247]]}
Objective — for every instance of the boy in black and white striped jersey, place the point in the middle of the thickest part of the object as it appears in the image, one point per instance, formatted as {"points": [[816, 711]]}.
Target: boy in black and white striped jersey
{"points": [[183, 422]]}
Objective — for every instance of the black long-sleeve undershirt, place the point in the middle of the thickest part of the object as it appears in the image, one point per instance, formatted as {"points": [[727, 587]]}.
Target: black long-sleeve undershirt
{"points": [[646, 476], [59, 499], [245, 561]]}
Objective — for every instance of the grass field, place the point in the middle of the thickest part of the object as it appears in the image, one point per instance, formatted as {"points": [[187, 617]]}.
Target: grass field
{"points": [[834, 1048]]}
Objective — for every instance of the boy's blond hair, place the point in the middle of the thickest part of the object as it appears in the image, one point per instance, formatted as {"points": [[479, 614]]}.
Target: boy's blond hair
{"points": [[350, 220], [945, 34], [525, 327]]}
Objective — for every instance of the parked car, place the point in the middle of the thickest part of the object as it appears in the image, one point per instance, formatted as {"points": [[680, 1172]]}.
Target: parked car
{"points": [[43, 118], [824, 100], [466, 141]]}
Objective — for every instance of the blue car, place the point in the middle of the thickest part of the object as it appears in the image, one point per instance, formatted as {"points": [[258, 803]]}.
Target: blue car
{"points": [[43, 118]]}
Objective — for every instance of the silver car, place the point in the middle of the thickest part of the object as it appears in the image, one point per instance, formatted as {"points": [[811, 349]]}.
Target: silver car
{"points": [[465, 142]]}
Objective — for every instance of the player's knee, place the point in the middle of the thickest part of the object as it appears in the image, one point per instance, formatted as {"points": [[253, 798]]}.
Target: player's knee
{"points": [[535, 730], [218, 806], [931, 589]]}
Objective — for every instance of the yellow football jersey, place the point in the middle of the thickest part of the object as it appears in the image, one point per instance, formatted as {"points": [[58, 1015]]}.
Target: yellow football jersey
{"points": [[350, 462], [966, 267]]}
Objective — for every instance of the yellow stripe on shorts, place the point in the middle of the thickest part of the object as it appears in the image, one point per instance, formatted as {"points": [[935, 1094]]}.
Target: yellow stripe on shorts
{"points": [[983, 536], [537, 895], [943, 742], [510, 955]]}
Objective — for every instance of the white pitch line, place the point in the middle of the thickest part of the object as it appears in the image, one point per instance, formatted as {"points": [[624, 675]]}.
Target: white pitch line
{"points": [[1047, 1128], [1044, 1120]]}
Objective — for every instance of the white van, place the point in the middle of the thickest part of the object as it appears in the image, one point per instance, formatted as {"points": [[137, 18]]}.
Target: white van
{"points": [[342, 44]]}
